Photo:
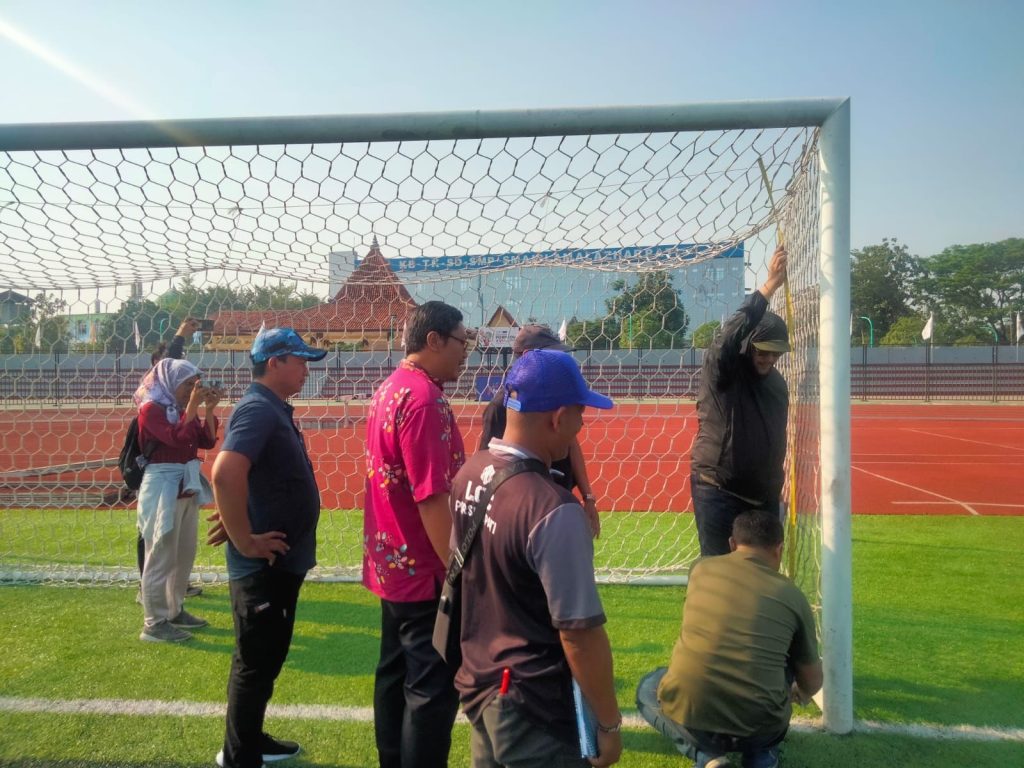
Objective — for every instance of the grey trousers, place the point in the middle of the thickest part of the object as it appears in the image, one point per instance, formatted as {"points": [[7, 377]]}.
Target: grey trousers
{"points": [[504, 738], [169, 563]]}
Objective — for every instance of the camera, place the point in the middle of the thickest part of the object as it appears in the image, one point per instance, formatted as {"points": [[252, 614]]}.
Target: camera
{"points": [[206, 325]]}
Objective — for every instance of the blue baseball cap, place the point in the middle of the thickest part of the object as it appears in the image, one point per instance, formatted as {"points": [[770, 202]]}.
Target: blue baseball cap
{"points": [[547, 379], [282, 341]]}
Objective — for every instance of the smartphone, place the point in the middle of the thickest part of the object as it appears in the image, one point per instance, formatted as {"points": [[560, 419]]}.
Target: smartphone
{"points": [[214, 384], [205, 325]]}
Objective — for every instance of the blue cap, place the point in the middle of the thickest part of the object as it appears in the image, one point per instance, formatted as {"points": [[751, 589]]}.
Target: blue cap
{"points": [[282, 341], [545, 380]]}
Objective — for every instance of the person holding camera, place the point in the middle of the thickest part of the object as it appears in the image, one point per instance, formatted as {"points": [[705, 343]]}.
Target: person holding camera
{"points": [[171, 433], [176, 351]]}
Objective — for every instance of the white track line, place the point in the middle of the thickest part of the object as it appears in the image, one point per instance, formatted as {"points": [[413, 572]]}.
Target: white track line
{"points": [[966, 506], [365, 715], [946, 460], [972, 503], [967, 440]]}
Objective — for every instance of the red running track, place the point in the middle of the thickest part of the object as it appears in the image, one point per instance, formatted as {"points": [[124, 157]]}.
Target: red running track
{"points": [[930, 459]]}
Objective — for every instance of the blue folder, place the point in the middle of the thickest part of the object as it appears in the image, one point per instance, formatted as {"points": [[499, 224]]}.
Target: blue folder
{"points": [[586, 723]]}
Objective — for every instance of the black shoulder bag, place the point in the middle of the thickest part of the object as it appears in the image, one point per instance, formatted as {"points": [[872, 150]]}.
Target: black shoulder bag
{"points": [[448, 624], [133, 458]]}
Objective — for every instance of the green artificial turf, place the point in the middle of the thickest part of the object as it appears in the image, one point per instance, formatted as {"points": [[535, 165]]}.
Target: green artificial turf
{"points": [[76, 539], [937, 628]]}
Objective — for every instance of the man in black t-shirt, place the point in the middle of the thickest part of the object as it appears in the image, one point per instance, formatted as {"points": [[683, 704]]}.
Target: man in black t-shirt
{"points": [[532, 620], [570, 471]]}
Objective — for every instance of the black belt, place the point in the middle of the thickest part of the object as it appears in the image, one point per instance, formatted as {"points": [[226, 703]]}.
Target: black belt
{"points": [[714, 483]]}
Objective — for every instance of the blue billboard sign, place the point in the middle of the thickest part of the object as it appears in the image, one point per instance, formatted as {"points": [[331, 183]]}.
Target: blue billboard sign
{"points": [[569, 257]]}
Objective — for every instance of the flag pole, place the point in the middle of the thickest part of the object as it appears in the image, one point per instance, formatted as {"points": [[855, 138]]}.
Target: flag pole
{"points": [[1020, 332]]}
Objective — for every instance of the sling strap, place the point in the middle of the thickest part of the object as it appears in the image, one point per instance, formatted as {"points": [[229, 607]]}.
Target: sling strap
{"points": [[458, 556]]}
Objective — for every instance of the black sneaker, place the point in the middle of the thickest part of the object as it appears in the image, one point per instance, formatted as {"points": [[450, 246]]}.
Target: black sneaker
{"points": [[278, 749], [220, 760], [273, 750]]}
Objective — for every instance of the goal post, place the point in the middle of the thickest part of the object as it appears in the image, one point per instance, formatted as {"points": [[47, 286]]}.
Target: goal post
{"points": [[631, 230], [837, 552]]}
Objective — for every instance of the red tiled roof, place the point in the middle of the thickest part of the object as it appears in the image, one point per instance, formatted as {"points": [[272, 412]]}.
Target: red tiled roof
{"points": [[372, 299]]}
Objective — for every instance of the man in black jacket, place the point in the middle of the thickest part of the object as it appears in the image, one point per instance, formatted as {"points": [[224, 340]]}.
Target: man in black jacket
{"points": [[742, 408]]}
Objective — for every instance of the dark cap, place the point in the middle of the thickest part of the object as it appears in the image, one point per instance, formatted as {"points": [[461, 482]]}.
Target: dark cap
{"points": [[771, 334], [547, 379], [537, 337], [282, 341]]}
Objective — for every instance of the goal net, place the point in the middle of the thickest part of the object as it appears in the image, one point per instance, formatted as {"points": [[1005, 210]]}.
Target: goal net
{"points": [[633, 243]]}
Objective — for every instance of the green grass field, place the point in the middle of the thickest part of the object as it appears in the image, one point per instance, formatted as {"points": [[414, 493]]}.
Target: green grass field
{"points": [[938, 626], [105, 538]]}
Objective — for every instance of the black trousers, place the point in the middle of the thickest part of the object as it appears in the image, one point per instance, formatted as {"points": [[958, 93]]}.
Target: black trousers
{"points": [[414, 697], [263, 606]]}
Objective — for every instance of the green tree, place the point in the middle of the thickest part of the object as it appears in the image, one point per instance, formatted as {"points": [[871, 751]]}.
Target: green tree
{"points": [[976, 286], [592, 334], [189, 300], [44, 320], [906, 332], [118, 332], [882, 283], [650, 313], [705, 333]]}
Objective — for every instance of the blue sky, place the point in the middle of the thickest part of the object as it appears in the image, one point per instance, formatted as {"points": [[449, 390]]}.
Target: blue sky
{"points": [[937, 87]]}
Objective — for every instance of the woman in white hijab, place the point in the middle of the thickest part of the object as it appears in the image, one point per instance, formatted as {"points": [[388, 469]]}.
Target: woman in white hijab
{"points": [[171, 434]]}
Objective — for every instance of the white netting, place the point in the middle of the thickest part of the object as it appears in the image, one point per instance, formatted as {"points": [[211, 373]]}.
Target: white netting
{"points": [[633, 242]]}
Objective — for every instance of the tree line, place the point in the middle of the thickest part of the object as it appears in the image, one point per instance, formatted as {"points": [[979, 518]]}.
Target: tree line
{"points": [[45, 321], [973, 291]]}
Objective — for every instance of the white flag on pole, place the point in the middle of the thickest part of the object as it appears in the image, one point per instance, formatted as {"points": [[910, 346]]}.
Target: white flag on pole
{"points": [[926, 333], [39, 335], [138, 336], [563, 331], [1020, 328]]}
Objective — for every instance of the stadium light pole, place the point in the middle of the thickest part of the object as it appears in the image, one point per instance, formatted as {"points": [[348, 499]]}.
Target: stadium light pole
{"points": [[871, 330], [995, 363]]}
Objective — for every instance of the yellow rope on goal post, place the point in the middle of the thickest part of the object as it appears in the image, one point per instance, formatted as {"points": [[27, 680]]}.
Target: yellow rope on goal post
{"points": [[791, 439]]}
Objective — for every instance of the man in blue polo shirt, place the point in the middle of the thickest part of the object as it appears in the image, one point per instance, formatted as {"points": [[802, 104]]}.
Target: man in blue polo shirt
{"points": [[269, 505]]}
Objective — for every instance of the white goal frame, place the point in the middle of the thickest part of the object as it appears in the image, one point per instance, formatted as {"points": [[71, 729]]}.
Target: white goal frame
{"points": [[832, 116]]}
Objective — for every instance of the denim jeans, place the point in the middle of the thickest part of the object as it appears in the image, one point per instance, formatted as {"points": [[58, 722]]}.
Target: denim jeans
{"points": [[414, 697], [263, 605], [714, 511], [759, 750]]}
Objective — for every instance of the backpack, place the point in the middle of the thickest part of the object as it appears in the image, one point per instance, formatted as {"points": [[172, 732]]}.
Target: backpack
{"points": [[133, 460]]}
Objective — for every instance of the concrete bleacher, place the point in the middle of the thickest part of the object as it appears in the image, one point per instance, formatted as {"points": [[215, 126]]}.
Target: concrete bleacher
{"points": [[991, 381], [991, 374]]}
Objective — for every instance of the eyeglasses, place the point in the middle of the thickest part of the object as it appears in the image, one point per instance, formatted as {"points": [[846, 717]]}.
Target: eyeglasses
{"points": [[465, 341]]}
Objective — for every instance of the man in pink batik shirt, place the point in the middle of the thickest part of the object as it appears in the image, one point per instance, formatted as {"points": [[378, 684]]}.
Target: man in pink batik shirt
{"points": [[413, 450]]}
